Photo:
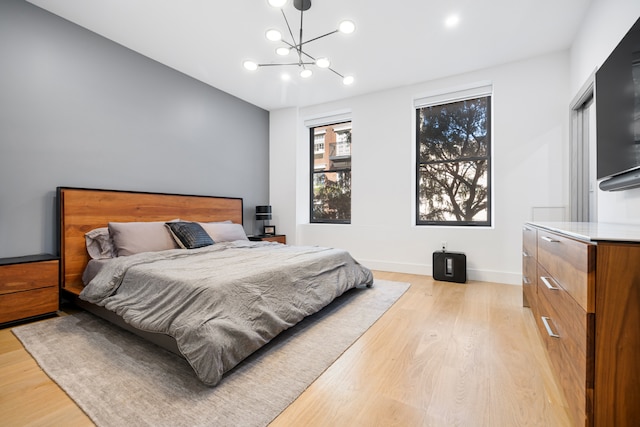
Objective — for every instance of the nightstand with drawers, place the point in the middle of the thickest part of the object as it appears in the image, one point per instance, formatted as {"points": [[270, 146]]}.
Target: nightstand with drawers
{"points": [[280, 238], [28, 287]]}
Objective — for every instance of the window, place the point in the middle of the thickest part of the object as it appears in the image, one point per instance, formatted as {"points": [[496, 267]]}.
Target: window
{"points": [[318, 145], [331, 173], [453, 182]]}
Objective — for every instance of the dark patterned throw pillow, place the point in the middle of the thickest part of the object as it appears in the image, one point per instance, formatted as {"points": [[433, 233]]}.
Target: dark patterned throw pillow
{"points": [[189, 235]]}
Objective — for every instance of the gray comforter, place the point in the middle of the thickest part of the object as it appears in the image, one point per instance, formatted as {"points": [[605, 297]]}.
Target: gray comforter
{"points": [[223, 302]]}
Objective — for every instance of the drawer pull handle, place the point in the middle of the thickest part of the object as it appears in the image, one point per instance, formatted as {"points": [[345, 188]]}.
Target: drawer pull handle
{"points": [[525, 228], [549, 239], [545, 320], [526, 280], [547, 283], [524, 254]]}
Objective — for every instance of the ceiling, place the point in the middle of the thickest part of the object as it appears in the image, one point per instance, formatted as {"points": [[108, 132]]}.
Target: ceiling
{"points": [[392, 46]]}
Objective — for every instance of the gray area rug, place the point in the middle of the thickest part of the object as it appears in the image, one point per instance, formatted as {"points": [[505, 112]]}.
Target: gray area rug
{"points": [[119, 379]]}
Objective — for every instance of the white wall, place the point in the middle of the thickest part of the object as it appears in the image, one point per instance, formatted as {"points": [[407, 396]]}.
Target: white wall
{"points": [[282, 154], [606, 22], [530, 130]]}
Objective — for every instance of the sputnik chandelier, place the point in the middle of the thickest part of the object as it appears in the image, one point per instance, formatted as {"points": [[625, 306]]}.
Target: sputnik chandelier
{"points": [[304, 59]]}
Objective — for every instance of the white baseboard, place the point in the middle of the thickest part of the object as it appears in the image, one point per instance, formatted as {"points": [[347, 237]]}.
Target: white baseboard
{"points": [[506, 277]]}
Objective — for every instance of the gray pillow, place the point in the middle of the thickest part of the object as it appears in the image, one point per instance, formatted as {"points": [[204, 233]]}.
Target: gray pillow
{"points": [[135, 237], [224, 232], [189, 235], [99, 244]]}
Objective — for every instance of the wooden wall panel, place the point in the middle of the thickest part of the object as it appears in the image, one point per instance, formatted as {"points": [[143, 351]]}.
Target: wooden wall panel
{"points": [[82, 210]]}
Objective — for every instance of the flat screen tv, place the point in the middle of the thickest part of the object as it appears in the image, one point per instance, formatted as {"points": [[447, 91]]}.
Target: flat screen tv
{"points": [[618, 115]]}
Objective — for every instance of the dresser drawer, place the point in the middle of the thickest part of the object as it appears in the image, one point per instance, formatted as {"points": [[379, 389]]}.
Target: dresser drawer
{"points": [[24, 277], [529, 242], [28, 287], [569, 318], [529, 275], [20, 305], [529, 251], [568, 331], [571, 263], [529, 280]]}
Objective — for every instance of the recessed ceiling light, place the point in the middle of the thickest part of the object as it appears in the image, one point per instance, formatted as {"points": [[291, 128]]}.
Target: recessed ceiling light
{"points": [[285, 77], [452, 21]]}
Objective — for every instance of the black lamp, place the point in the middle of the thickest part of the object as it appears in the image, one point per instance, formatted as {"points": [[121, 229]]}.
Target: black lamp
{"points": [[263, 213]]}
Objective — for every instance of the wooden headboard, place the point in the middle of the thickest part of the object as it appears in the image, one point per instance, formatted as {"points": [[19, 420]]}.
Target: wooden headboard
{"points": [[82, 210]]}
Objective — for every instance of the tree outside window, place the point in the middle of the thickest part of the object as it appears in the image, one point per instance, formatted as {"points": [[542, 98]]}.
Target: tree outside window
{"points": [[453, 163], [331, 173]]}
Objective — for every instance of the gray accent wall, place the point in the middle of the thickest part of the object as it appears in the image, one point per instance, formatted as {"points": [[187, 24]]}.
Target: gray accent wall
{"points": [[79, 110]]}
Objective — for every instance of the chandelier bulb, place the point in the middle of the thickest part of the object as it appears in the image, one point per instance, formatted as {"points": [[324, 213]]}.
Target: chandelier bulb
{"points": [[273, 35], [347, 27], [277, 3], [323, 62], [348, 80], [250, 65]]}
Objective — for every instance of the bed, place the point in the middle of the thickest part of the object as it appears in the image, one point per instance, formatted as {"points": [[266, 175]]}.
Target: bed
{"points": [[214, 297]]}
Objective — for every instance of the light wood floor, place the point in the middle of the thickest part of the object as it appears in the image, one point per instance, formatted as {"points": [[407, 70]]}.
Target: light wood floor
{"points": [[445, 354]]}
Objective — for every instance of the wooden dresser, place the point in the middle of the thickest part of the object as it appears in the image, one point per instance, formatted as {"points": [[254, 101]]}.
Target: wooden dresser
{"points": [[582, 283], [28, 287]]}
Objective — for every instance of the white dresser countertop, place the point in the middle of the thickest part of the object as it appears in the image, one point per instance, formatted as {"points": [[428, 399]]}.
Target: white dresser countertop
{"points": [[594, 231]]}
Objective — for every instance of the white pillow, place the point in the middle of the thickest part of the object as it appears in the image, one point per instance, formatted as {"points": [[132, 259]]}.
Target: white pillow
{"points": [[224, 232]]}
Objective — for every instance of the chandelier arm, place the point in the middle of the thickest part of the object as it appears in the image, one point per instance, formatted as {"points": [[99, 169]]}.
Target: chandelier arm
{"points": [[307, 55], [286, 21], [297, 45], [319, 37], [290, 63], [293, 46], [299, 48], [303, 63], [334, 71], [300, 53]]}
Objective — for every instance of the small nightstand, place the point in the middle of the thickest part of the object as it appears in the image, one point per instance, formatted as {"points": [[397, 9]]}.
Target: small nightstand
{"points": [[280, 238], [28, 286]]}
